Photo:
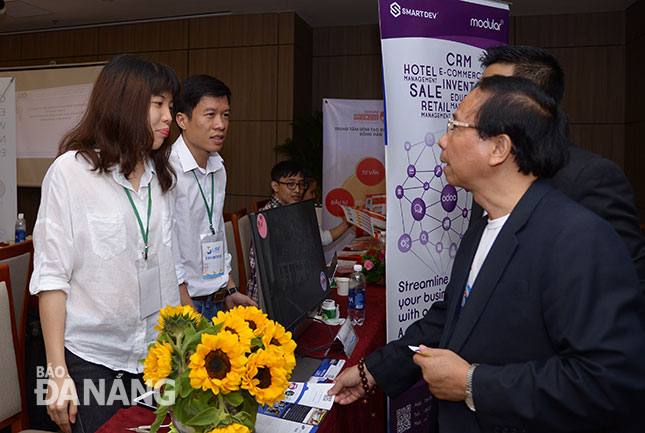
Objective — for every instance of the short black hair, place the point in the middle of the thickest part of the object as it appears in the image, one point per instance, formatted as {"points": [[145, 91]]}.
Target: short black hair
{"points": [[194, 88], [286, 168], [533, 63], [532, 119]]}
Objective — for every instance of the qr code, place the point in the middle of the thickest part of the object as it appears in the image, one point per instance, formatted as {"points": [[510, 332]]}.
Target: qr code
{"points": [[327, 398], [404, 419]]}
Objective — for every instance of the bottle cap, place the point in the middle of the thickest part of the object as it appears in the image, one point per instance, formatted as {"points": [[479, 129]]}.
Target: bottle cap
{"points": [[21, 216], [358, 268]]}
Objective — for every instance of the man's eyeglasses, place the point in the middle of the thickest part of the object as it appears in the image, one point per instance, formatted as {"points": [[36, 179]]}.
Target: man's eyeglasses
{"points": [[452, 123], [293, 185]]}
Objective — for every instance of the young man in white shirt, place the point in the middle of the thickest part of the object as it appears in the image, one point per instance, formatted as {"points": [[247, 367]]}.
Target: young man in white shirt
{"points": [[202, 261]]}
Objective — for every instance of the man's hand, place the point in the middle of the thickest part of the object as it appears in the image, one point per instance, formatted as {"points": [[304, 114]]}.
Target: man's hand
{"points": [[348, 387], [444, 371], [61, 402], [238, 298]]}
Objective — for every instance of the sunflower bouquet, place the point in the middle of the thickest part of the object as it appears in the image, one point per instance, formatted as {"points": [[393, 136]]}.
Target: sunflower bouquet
{"points": [[212, 375]]}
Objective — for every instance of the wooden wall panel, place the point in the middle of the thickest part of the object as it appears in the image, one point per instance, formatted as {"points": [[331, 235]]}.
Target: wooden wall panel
{"points": [[345, 41], [286, 28], [595, 83], [10, 47], [353, 77], [635, 17], [635, 84], [249, 156], [605, 140], [635, 111], [178, 60], [635, 157], [59, 61], [251, 74], [235, 202], [131, 38], [285, 82], [234, 31], [571, 30], [61, 43]]}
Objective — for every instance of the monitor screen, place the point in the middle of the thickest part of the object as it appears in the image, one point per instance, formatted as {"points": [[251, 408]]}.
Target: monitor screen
{"points": [[290, 262]]}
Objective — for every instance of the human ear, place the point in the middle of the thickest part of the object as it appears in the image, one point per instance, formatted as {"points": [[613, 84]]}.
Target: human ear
{"points": [[274, 186], [181, 120], [501, 146]]}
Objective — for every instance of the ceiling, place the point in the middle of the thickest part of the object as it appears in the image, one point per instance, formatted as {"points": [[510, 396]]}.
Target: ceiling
{"points": [[33, 15]]}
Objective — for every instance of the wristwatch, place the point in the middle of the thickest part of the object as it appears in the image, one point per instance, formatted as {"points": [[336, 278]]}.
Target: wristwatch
{"points": [[232, 290], [469, 387]]}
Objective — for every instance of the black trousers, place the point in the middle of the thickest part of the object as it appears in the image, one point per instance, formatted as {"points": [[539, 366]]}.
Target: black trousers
{"points": [[101, 392]]}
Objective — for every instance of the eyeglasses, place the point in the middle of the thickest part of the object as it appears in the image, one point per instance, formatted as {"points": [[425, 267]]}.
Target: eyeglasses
{"points": [[292, 185], [452, 123]]}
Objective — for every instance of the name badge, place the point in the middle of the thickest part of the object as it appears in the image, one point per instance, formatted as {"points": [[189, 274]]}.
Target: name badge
{"points": [[212, 255], [149, 286]]}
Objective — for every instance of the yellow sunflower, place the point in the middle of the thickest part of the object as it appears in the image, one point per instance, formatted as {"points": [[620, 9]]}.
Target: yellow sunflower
{"points": [[253, 316], [276, 336], [265, 377], [158, 364], [218, 363], [236, 325], [231, 428], [173, 319]]}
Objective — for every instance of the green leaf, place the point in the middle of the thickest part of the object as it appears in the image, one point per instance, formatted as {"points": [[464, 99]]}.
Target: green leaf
{"points": [[161, 412], [234, 398], [184, 385], [206, 417]]}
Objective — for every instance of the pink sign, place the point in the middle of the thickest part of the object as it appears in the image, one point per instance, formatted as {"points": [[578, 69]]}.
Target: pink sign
{"points": [[262, 226]]}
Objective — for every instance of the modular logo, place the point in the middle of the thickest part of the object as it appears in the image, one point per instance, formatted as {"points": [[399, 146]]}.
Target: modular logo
{"points": [[395, 9], [487, 24]]}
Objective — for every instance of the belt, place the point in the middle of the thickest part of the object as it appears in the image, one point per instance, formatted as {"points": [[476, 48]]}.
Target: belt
{"points": [[213, 297]]}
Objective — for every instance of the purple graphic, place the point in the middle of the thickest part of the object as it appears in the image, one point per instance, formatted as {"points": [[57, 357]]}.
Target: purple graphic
{"points": [[434, 213], [418, 209], [438, 170], [405, 243], [429, 139], [423, 237], [449, 198]]}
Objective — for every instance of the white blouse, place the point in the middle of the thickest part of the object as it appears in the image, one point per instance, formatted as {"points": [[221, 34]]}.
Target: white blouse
{"points": [[86, 242]]}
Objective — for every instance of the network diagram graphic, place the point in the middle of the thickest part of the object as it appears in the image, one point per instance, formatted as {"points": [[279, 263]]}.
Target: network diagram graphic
{"points": [[434, 213]]}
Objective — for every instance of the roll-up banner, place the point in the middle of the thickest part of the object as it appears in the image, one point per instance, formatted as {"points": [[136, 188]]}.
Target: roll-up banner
{"points": [[431, 51], [8, 200], [353, 159]]}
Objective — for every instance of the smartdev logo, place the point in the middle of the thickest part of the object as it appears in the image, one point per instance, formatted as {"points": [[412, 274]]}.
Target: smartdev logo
{"points": [[488, 23], [395, 9]]}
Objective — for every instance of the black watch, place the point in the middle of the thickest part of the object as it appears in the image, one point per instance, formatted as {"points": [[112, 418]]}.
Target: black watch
{"points": [[232, 290]]}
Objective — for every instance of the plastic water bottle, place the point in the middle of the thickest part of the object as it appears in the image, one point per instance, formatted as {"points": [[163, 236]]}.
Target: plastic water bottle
{"points": [[357, 296], [21, 228]]}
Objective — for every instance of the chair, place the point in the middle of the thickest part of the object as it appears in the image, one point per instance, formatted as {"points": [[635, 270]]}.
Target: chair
{"points": [[19, 258], [13, 397], [229, 231], [260, 204], [244, 231], [241, 264]]}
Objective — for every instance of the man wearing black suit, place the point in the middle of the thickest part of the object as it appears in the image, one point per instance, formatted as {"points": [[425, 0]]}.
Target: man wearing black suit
{"points": [[591, 180], [539, 330]]}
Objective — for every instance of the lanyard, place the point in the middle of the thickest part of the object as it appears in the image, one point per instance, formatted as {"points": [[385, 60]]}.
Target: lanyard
{"points": [[144, 233], [209, 210]]}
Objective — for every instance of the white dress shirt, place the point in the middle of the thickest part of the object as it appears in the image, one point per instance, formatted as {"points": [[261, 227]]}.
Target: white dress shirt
{"points": [[192, 218], [86, 242]]}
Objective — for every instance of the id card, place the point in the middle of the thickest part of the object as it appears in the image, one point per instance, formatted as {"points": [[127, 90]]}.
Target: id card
{"points": [[212, 255], [149, 286]]}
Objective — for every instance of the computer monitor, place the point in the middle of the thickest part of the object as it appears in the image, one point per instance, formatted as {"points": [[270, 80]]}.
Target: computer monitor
{"points": [[290, 261]]}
